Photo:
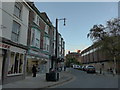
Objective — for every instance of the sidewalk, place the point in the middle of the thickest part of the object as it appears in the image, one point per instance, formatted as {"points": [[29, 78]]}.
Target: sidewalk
{"points": [[39, 81], [0, 87]]}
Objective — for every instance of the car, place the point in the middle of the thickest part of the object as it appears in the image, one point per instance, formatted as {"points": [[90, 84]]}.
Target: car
{"points": [[90, 69], [76, 66], [84, 68]]}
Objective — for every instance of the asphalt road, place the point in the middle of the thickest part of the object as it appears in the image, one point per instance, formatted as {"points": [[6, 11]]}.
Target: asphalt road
{"points": [[84, 80]]}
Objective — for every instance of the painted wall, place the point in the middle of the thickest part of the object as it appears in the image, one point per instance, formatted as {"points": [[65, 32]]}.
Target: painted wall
{"points": [[7, 21]]}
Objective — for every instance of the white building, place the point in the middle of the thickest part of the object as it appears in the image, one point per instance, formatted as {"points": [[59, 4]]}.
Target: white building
{"points": [[13, 47]]}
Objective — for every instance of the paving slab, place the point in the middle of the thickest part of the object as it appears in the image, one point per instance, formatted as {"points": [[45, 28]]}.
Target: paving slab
{"points": [[40, 81]]}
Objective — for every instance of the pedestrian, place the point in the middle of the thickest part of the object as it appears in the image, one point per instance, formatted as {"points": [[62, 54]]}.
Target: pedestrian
{"points": [[100, 70], [34, 70], [64, 68]]}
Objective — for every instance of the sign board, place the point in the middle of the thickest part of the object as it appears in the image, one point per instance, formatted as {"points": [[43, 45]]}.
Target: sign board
{"points": [[5, 46], [38, 53]]}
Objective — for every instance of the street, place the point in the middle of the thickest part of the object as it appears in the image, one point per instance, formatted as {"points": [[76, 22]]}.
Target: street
{"points": [[84, 80]]}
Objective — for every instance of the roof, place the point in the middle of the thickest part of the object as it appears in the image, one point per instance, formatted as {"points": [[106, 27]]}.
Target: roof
{"points": [[32, 5]]}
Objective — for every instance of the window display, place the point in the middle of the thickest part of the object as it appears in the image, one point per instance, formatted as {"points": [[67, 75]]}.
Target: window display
{"points": [[15, 63]]}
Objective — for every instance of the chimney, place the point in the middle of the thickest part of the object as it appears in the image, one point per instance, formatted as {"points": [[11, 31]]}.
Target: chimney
{"points": [[78, 51], [68, 52]]}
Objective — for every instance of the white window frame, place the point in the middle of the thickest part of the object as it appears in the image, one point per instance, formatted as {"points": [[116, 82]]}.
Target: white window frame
{"points": [[18, 6], [15, 32], [46, 28], [32, 37]]}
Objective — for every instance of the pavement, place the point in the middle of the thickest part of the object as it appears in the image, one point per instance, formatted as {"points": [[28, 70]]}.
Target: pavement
{"points": [[40, 81], [0, 87]]}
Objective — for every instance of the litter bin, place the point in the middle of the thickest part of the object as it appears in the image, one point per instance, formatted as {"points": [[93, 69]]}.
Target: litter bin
{"points": [[52, 76]]}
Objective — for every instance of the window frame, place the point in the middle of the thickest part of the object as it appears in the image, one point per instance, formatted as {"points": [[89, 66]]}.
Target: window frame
{"points": [[18, 73], [17, 33], [18, 6]]}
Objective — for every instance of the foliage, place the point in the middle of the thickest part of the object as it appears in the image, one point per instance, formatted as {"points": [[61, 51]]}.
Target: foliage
{"points": [[71, 60], [107, 38]]}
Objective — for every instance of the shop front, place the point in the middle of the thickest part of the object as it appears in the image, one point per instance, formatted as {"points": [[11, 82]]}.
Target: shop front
{"points": [[12, 63], [40, 60]]}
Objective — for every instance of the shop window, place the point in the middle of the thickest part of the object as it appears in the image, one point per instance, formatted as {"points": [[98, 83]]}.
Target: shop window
{"points": [[21, 63], [11, 63], [15, 63]]}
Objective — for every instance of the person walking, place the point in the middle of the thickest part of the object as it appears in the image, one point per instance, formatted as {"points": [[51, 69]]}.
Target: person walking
{"points": [[34, 70], [64, 68]]}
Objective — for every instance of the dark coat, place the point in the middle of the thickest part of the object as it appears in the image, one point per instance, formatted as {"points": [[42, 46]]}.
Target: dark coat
{"points": [[34, 70]]}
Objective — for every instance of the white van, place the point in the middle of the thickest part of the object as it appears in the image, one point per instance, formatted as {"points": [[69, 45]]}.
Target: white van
{"points": [[76, 66]]}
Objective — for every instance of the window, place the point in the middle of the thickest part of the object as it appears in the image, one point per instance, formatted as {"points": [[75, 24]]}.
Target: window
{"points": [[38, 20], [35, 37], [15, 63], [54, 34], [21, 63], [15, 31], [37, 42], [32, 36], [46, 43], [18, 9], [46, 28]]}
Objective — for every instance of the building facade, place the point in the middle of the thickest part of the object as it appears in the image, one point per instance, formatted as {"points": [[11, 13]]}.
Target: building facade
{"points": [[94, 56], [13, 44], [75, 55], [27, 38], [61, 51], [38, 41]]}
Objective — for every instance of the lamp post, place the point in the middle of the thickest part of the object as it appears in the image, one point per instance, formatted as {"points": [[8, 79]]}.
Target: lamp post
{"points": [[56, 49]]}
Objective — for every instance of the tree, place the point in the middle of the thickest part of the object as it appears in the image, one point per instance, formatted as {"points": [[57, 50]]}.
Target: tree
{"points": [[107, 38], [71, 60]]}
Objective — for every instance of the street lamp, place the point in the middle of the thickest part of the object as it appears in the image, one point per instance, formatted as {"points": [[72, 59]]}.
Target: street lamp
{"points": [[56, 50]]}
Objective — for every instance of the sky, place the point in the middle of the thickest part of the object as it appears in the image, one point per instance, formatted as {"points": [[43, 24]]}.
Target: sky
{"points": [[80, 18]]}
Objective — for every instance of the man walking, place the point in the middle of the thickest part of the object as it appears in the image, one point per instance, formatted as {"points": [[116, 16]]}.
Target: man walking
{"points": [[34, 70]]}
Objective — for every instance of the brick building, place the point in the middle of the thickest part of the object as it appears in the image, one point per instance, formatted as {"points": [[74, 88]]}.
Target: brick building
{"points": [[76, 55], [94, 56], [38, 40]]}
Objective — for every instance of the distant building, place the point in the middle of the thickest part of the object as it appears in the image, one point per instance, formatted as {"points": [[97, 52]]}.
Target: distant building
{"points": [[94, 56], [75, 55]]}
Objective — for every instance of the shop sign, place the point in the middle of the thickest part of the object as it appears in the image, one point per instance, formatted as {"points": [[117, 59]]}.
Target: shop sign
{"points": [[39, 53], [5, 46]]}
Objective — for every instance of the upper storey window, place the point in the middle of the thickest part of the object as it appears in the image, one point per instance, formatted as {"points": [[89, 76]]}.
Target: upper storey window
{"points": [[18, 9]]}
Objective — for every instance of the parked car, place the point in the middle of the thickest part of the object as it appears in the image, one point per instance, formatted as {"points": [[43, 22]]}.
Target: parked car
{"points": [[90, 69], [76, 66], [84, 68]]}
